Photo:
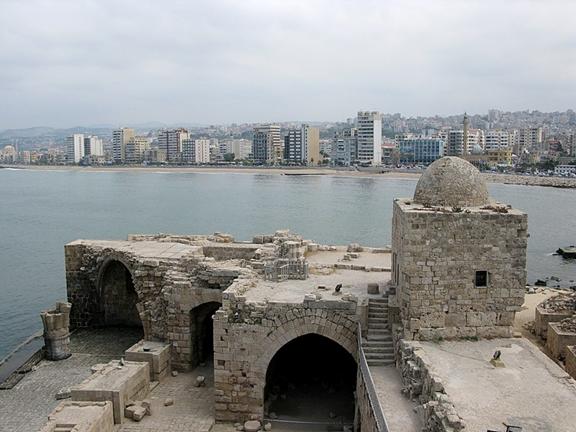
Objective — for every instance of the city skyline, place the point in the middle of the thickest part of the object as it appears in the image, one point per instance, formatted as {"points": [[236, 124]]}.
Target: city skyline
{"points": [[69, 64]]}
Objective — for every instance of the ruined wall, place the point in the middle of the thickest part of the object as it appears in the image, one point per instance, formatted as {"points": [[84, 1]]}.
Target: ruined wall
{"points": [[436, 411], [436, 253], [247, 335]]}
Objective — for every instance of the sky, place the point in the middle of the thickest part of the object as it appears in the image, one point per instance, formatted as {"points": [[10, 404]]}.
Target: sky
{"points": [[66, 63]]}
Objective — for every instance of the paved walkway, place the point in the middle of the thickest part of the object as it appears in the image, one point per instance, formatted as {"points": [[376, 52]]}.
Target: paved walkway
{"points": [[193, 408], [25, 408], [398, 409]]}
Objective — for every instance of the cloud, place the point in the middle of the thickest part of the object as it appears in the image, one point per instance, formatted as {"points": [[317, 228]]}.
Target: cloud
{"points": [[69, 62]]}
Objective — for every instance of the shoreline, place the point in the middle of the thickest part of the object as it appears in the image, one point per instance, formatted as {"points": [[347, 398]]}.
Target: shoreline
{"points": [[556, 182]]}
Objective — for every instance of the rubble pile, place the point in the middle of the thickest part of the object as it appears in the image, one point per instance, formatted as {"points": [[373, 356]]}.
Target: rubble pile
{"points": [[568, 325], [561, 302]]}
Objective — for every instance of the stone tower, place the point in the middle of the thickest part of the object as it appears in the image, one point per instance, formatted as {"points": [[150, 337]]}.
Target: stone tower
{"points": [[459, 259]]}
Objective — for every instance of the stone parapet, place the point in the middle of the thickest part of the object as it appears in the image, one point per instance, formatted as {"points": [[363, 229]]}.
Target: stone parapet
{"points": [[56, 324]]}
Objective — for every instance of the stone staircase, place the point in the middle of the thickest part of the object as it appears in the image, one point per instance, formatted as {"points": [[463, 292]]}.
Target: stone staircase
{"points": [[377, 345]]}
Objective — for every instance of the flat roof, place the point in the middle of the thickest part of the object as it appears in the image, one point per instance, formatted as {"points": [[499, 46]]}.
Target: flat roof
{"points": [[531, 391]]}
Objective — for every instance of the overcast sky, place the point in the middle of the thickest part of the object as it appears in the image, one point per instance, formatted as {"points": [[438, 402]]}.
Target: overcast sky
{"points": [[84, 62]]}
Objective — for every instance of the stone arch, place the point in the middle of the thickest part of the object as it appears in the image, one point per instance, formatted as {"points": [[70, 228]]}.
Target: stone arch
{"points": [[292, 329], [202, 332], [311, 378], [118, 294]]}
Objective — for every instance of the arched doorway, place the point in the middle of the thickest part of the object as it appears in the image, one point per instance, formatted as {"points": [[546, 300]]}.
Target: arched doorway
{"points": [[202, 333], [311, 379], [118, 297]]}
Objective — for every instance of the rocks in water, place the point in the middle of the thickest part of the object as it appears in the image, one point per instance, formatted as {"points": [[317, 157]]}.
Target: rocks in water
{"points": [[252, 426], [540, 282], [273, 415], [354, 247], [268, 426]]}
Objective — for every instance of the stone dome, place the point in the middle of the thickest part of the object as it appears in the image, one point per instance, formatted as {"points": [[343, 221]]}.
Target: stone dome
{"points": [[451, 182]]}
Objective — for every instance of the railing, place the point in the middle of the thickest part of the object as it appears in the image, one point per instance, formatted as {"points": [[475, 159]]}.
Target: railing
{"points": [[369, 385]]}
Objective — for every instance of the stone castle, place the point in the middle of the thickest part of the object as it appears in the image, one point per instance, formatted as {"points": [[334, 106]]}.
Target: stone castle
{"points": [[259, 312]]}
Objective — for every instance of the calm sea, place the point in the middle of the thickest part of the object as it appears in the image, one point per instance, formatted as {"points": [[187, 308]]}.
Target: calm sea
{"points": [[40, 211]]}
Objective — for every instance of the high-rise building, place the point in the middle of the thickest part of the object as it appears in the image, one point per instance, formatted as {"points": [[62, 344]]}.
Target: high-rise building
{"points": [[497, 139], [420, 150], [241, 148], [302, 145], [369, 137], [267, 144], [196, 150], [529, 139], [136, 149], [93, 146], [171, 142], [120, 138], [74, 148], [344, 147], [456, 145]]}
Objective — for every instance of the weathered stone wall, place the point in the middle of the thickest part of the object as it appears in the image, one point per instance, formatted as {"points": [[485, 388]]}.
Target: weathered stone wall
{"points": [[436, 411], [166, 291], [247, 335], [436, 253], [570, 361]]}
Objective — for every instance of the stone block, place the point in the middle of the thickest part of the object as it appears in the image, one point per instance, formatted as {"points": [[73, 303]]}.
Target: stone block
{"points": [[373, 288], [542, 317], [117, 384], [570, 360], [81, 417], [156, 354], [558, 341]]}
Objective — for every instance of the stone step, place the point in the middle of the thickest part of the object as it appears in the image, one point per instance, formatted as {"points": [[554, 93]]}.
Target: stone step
{"points": [[379, 362], [379, 337], [376, 320], [377, 326], [378, 350], [377, 343], [377, 314], [378, 356]]}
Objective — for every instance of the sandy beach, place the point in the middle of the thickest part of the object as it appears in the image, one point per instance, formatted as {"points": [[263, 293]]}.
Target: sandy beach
{"points": [[557, 182]]}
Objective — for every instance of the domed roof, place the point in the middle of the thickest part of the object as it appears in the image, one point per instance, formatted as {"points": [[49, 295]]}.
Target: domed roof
{"points": [[451, 182]]}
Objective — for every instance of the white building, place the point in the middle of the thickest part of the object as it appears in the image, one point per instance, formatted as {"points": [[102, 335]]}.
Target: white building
{"points": [[499, 139], [120, 138], [457, 146], [93, 146], [240, 147], [74, 148], [529, 139], [369, 137], [196, 150]]}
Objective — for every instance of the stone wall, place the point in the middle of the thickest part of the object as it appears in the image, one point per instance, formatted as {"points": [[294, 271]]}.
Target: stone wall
{"points": [[436, 254], [436, 411], [166, 291], [570, 361], [247, 335]]}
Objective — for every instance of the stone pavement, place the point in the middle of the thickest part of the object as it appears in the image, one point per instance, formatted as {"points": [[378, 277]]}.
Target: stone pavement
{"points": [[398, 409], [193, 408], [25, 408]]}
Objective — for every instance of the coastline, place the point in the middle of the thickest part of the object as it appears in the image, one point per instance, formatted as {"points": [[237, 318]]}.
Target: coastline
{"points": [[556, 182]]}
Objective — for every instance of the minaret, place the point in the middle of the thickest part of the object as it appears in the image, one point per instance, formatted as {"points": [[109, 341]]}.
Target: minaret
{"points": [[465, 135]]}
